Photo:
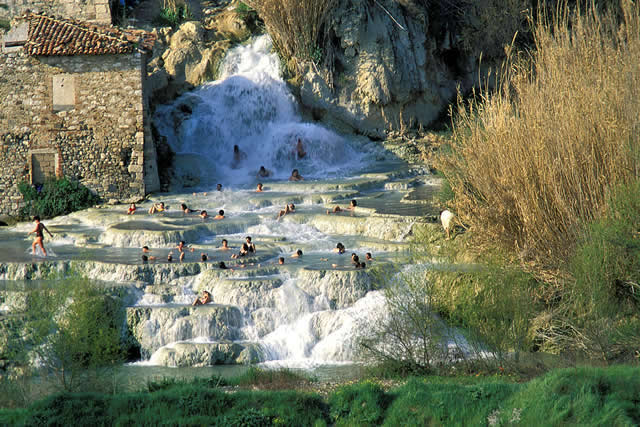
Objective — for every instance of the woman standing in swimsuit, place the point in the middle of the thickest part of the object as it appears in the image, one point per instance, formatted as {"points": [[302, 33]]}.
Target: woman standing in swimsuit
{"points": [[40, 227]]}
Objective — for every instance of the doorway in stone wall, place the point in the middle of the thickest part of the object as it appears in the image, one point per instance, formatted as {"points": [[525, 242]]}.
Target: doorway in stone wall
{"points": [[44, 164]]}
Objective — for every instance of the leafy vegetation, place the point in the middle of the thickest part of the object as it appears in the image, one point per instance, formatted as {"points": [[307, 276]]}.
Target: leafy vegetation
{"points": [[172, 14], [584, 396], [55, 197], [72, 328]]}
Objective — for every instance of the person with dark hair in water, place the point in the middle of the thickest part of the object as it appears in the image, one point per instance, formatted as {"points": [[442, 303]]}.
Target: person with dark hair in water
{"points": [[222, 265], [352, 207], [252, 247], [295, 176], [281, 260], [204, 257], [132, 209], [157, 207], [238, 157], [259, 188], [300, 150], [298, 254], [185, 209], [220, 215], [264, 172], [244, 250], [39, 231], [204, 299], [339, 248], [219, 187], [204, 215]]}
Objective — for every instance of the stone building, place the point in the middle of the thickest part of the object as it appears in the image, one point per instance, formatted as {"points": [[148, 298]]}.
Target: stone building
{"points": [[73, 103], [94, 11]]}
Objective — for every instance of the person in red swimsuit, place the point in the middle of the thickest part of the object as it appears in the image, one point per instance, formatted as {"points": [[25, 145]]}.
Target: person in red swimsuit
{"points": [[39, 230]]}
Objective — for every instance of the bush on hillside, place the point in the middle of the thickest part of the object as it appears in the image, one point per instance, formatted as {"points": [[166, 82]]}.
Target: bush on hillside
{"points": [[55, 197], [358, 404], [536, 159], [299, 28], [73, 329], [600, 312]]}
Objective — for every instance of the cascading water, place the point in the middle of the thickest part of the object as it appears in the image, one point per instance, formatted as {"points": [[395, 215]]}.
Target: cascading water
{"points": [[249, 106]]}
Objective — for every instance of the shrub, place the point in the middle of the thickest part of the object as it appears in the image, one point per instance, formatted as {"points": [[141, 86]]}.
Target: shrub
{"points": [[270, 379], [535, 159], [74, 329], [55, 197], [173, 13], [299, 28], [598, 315], [358, 404]]}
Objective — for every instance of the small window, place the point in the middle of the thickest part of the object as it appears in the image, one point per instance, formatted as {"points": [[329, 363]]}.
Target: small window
{"points": [[64, 92]]}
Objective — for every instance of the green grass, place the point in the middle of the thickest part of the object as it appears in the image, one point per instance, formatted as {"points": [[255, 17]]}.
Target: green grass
{"points": [[577, 396]]}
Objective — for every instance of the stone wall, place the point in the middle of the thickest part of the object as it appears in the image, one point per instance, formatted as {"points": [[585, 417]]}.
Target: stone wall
{"points": [[98, 11], [90, 111]]}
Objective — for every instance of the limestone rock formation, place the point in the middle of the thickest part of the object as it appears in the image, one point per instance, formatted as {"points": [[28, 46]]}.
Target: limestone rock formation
{"points": [[154, 327], [393, 68]]}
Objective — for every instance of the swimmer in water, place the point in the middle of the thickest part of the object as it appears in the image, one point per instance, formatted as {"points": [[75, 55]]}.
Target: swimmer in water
{"points": [[132, 209], [156, 207], [295, 176], [204, 215], [252, 247], [281, 260], [220, 215], [218, 187], [368, 256], [204, 257], [300, 150], [238, 157], [225, 245], [264, 172], [352, 207], [283, 212], [244, 250], [185, 209], [339, 248], [259, 188], [38, 230], [145, 252], [298, 254]]}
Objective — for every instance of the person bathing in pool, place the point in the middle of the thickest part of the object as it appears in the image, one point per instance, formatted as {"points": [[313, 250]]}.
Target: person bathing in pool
{"points": [[295, 176], [264, 172], [352, 207], [238, 157]]}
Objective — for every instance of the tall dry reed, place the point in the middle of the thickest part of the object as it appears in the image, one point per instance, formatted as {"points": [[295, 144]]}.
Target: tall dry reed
{"points": [[535, 159], [298, 27]]}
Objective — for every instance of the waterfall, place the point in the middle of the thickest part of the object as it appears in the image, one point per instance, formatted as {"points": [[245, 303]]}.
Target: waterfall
{"points": [[249, 106]]}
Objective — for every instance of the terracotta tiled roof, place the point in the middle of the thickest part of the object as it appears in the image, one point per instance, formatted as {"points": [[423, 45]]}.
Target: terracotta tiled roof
{"points": [[52, 36]]}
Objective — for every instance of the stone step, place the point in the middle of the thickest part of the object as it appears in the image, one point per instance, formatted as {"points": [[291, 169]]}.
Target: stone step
{"points": [[155, 326]]}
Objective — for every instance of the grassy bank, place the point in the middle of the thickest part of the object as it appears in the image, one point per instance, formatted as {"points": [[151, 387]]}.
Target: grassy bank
{"points": [[585, 396]]}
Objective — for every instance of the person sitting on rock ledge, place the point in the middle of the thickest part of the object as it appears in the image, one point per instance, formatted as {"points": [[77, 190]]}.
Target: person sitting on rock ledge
{"points": [[244, 250], [204, 299]]}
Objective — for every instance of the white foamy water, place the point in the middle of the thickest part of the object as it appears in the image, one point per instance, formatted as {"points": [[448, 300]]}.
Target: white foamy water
{"points": [[250, 106]]}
